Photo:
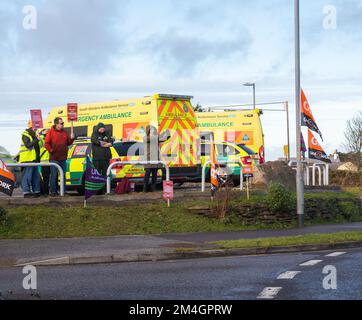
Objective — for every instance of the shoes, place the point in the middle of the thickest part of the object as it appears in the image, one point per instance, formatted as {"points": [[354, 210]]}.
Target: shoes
{"points": [[31, 195]]}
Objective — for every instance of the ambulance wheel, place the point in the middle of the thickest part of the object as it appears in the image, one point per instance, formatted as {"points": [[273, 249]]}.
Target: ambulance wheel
{"points": [[81, 191], [236, 182]]}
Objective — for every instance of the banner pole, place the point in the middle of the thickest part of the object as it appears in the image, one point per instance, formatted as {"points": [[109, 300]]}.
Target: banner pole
{"points": [[85, 204]]}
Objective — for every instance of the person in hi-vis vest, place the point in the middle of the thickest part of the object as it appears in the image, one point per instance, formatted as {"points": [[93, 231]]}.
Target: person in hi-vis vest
{"points": [[44, 158], [30, 152]]}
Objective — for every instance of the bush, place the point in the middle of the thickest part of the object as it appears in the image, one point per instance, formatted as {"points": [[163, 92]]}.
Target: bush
{"points": [[280, 199], [3, 216]]}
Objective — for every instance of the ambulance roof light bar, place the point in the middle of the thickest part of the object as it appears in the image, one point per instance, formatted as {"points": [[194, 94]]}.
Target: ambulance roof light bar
{"points": [[174, 96]]}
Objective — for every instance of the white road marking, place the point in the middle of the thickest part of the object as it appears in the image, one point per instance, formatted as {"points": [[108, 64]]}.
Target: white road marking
{"points": [[310, 263], [269, 293], [289, 275], [336, 254]]}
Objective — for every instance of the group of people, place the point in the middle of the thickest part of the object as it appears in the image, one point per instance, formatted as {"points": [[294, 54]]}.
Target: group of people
{"points": [[52, 146], [44, 146]]}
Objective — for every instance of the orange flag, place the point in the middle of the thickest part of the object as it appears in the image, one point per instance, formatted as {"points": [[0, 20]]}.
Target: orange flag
{"points": [[315, 150], [214, 181], [7, 179], [307, 115]]}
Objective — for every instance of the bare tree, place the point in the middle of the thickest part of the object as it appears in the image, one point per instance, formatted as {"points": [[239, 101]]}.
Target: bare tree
{"points": [[353, 138], [199, 108]]}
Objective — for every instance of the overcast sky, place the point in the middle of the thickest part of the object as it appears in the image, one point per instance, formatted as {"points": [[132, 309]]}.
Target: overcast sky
{"points": [[93, 50]]}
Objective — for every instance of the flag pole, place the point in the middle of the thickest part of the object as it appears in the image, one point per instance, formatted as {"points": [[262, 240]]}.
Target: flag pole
{"points": [[85, 203]]}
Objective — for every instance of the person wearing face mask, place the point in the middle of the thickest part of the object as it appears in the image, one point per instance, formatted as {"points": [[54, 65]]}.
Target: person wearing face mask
{"points": [[57, 142]]}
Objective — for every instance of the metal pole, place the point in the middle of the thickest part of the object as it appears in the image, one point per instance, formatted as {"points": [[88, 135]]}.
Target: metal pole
{"points": [[288, 128], [299, 182], [254, 98], [135, 163], [61, 172]]}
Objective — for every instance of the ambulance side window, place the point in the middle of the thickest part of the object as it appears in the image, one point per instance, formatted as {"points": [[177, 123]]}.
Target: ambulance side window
{"points": [[205, 150]]}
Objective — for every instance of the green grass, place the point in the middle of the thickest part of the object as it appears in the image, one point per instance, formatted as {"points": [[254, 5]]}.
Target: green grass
{"points": [[63, 222], [312, 239], [38, 222]]}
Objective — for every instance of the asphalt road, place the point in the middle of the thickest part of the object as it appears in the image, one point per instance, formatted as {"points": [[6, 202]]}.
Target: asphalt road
{"points": [[236, 278]]}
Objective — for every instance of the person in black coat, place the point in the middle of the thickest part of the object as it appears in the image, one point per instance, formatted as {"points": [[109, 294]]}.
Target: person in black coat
{"points": [[101, 144]]}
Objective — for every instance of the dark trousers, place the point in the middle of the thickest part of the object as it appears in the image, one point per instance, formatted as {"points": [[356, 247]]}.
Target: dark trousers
{"points": [[54, 175], [45, 173], [101, 166], [152, 172]]}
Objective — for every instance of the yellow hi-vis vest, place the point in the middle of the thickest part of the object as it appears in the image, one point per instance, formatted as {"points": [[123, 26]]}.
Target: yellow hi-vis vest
{"points": [[25, 154], [44, 153]]}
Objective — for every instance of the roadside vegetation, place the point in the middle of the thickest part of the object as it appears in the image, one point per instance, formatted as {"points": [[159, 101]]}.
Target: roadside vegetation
{"points": [[311, 239], [155, 218]]}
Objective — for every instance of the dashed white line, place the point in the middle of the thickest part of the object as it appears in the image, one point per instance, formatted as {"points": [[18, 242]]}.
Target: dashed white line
{"points": [[269, 293], [336, 254], [289, 275], [310, 263]]}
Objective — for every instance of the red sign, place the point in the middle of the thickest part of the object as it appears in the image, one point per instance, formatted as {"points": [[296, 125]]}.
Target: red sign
{"points": [[36, 119], [247, 170], [168, 190], [72, 112]]}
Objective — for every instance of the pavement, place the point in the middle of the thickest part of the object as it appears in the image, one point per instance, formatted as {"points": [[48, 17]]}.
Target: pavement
{"points": [[74, 251], [325, 275]]}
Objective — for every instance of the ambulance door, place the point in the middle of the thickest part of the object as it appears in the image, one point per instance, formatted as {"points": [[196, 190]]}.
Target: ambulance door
{"points": [[167, 121], [189, 136]]}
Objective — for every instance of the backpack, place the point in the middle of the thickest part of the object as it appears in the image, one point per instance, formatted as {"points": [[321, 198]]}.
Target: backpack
{"points": [[124, 186]]}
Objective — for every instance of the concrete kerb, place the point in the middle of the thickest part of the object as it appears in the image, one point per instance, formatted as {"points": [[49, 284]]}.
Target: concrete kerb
{"points": [[99, 200], [179, 254]]}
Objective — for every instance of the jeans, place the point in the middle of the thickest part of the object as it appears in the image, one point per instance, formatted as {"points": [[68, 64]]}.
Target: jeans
{"points": [[31, 180], [54, 175]]}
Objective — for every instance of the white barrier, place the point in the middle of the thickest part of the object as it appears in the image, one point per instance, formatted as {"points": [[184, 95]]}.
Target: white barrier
{"points": [[203, 178], [50, 164], [316, 167], [123, 163]]}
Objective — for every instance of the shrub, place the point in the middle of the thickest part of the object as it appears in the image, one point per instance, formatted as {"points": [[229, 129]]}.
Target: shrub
{"points": [[280, 199], [3, 216]]}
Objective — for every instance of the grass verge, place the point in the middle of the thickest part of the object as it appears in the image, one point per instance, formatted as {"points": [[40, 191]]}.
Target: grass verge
{"points": [[312, 239]]}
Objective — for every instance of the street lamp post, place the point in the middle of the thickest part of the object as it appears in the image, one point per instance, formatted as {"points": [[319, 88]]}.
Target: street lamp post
{"points": [[252, 85], [300, 179]]}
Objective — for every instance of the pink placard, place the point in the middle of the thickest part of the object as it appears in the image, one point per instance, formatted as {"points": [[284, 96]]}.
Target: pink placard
{"points": [[168, 190], [36, 119]]}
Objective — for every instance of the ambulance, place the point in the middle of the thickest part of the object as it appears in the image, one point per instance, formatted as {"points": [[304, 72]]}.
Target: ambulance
{"points": [[127, 120], [237, 127]]}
